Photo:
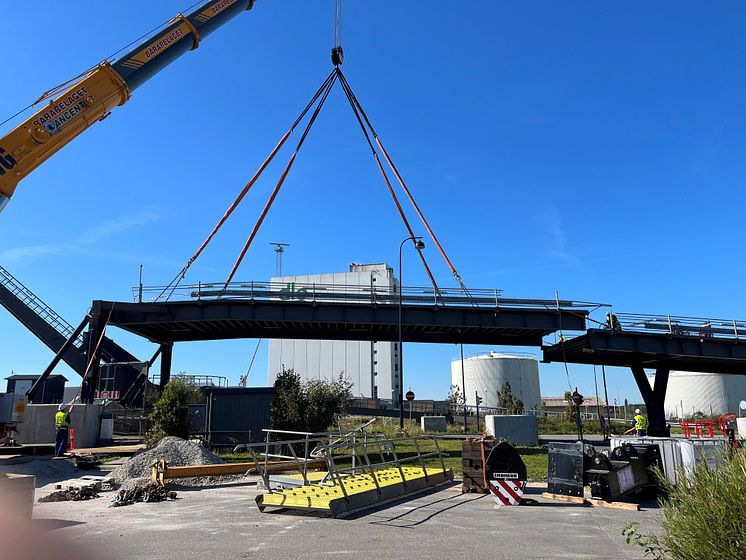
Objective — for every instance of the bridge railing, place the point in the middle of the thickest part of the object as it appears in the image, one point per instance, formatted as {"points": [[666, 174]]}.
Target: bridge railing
{"points": [[699, 327], [337, 293]]}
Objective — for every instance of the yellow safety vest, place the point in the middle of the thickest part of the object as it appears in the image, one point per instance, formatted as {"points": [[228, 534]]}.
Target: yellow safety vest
{"points": [[61, 419], [641, 423]]}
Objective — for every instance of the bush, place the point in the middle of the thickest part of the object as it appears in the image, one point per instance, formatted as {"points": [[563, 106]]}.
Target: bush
{"points": [[313, 406], [170, 415], [704, 516]]}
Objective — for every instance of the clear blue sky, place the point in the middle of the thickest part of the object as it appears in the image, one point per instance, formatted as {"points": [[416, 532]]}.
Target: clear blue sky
{"points": [[594, 148]]}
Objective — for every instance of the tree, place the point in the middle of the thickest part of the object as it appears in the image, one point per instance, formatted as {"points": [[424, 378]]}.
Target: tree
{"points": [[312, 406], [508, 401], [569, 406], [454, 397], [288, 405], [170, 415]]}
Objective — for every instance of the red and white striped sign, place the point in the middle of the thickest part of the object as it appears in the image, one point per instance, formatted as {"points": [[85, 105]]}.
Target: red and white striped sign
{"points": [[507, 492]]}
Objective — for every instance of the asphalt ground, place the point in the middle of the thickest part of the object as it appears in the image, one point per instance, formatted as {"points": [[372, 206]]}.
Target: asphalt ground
{"points": [[224, 522]]}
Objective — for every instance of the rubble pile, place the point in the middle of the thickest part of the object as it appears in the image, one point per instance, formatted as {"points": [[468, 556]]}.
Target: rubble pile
{"points": [[142, 490], [89, 492]]}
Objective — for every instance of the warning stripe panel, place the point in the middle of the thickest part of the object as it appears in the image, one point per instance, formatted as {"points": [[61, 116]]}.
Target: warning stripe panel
{"points": [[508, 492]]}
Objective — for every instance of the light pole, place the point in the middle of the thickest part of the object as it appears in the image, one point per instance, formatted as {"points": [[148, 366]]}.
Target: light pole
{"points": [[419, 245]]}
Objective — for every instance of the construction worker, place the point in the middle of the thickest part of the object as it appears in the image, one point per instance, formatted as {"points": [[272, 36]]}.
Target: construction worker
{"points": [[612, 322], [62, 426], [640, 423]]}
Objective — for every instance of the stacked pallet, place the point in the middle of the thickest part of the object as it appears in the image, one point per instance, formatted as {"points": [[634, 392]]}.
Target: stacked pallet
{"points": [[472, 463]]}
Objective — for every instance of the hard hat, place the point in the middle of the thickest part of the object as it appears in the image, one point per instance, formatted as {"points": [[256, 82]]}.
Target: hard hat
{"points": [[61, 407], [637, 411]]}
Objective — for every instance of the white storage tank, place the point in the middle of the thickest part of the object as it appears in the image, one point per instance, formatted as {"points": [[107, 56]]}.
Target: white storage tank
{"points": [[486, 373], [690, 392]]}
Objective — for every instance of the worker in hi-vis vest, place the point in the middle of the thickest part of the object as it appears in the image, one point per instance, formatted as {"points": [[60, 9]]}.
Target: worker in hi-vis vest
{"points": [[62, 425], [640, 423]]}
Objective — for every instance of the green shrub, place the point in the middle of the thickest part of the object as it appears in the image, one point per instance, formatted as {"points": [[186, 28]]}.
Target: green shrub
{"points": [[313, 406], [704, 516], [170, 415]]}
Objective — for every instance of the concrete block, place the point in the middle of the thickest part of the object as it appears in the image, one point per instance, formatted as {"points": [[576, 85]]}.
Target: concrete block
{"points": [[38, 424], [433, 423], [741, 424], [516, 428], [17, 491]]}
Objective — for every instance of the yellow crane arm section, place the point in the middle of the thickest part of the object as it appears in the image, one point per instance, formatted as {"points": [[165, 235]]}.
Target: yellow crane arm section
{"points": [[92, 97], [31, 143]]}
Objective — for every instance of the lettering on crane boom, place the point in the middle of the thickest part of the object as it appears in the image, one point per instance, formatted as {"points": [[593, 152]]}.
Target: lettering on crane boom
{"points": [[7, 162], [61, 111]]}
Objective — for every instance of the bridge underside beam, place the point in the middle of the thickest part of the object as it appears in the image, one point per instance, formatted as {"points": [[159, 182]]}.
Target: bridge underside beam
{"points": [[651, 350], [661, 352], [225, 319]]}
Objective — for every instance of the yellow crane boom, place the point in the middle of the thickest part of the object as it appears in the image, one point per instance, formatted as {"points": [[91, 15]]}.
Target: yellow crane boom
{"points": [[91, 97]]}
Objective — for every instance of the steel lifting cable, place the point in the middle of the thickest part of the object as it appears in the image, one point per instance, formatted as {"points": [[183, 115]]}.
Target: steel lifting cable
{"points": [[562, 339], [93, 356], [345, 84], [171, 287], [350, 98], [284, 175]]}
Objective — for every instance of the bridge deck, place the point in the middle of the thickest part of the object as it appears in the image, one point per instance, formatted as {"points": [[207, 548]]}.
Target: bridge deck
{"points": [[684, 352], [180, 321]]}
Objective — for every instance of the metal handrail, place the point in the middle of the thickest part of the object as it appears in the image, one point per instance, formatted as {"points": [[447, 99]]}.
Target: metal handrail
{"points": [[337, 293], [262, 454], [681, 325], [49, 315]]}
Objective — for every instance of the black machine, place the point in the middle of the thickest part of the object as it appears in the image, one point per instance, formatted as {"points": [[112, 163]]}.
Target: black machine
{"points": [[625, 471], [568, 463]]}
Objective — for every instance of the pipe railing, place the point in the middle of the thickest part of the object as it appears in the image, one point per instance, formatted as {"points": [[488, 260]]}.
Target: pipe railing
{"points": [[336, 293], [678, 325]]}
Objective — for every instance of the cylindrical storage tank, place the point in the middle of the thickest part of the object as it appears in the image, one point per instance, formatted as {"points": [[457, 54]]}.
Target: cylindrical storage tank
{"points": [[486, 374], [711, 394]]}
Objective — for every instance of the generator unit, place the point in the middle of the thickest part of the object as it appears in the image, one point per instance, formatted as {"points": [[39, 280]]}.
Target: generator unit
{"points": [[627, 470]]}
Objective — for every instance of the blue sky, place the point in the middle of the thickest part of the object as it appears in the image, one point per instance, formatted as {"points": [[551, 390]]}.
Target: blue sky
{"points": [[593, 148]]}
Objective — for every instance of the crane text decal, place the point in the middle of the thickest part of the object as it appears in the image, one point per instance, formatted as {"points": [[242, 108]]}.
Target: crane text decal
{"points": [[155, 48], [161, 45], [6, 162], [220, 6], [62, 110], [212, 11]]}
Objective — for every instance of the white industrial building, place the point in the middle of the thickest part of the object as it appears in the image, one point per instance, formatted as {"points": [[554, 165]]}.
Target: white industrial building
{"points": [[486, 373], [711, 394], [371, 367]]}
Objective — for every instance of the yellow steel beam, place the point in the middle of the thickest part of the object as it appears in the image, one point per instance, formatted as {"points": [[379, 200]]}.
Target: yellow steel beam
{"points": [[161, 471]]}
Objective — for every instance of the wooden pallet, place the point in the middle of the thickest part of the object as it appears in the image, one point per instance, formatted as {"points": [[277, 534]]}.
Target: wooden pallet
{"points": [[591, 502]]}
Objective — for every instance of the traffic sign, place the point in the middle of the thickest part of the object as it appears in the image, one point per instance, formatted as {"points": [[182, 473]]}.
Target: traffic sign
{"points": [[409, 396]]}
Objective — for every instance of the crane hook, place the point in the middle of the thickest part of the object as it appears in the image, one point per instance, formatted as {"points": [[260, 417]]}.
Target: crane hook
{"points": [[338, 56]]}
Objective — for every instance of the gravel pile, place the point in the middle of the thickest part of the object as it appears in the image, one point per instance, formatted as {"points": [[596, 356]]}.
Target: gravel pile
{"points": [[175, 451]]}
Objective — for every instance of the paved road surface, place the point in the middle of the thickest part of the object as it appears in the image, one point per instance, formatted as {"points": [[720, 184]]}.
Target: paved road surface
{"points": [[223, 522]]}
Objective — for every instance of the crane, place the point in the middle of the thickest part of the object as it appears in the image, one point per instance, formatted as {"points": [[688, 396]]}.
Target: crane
{"points": [[90, 97]]}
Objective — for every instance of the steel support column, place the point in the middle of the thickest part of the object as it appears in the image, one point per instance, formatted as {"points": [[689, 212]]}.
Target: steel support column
{"points": [[167, 350], [654, 398], [93, 357]]}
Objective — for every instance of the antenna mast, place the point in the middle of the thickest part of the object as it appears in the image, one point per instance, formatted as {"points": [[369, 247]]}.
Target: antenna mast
{"points": [[279, 250]]}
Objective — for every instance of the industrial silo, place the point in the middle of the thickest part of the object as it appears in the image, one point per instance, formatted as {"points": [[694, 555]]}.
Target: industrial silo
{"points": [[486, 373], [711, 394]]}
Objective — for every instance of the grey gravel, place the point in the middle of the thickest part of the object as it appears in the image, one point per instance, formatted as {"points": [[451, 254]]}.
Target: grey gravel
{"points": [[175, 451]]}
